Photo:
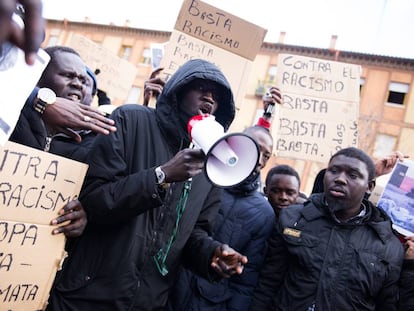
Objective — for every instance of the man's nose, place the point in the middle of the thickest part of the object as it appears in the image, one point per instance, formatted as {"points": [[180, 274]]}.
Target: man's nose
{"points": [[210, 95], [76, 82], [262, 161], [341, 178], [283, 197]]}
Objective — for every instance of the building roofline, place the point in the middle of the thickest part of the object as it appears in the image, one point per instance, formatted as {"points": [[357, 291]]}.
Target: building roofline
{"points": [[329, 54], [342, 56], [110, 27]]}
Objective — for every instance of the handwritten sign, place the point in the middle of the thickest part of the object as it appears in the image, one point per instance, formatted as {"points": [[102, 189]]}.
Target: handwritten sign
{"points": [[203, 31], [220, 28], [34, 186], [117, 75], [320, 107]]}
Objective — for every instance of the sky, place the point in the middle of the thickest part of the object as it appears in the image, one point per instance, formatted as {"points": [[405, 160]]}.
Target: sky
{"points": [[381, 27]]}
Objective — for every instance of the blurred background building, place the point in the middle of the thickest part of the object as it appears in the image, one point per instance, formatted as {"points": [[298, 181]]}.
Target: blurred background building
{"points": [[386, 120]]}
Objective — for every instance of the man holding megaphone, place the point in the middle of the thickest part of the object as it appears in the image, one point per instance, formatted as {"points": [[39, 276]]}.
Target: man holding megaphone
{"points": [[149, 208]]}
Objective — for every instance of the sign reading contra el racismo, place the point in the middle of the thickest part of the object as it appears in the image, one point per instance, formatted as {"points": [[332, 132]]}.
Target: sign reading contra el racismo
{"points": [[320, 109]]}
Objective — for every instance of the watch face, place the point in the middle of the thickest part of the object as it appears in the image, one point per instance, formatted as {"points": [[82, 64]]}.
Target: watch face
{"points": [[160, 175], [47, 95]]}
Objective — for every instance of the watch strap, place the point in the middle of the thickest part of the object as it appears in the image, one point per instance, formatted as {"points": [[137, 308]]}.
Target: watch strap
{"points": [[160, 178], [39, 105]]}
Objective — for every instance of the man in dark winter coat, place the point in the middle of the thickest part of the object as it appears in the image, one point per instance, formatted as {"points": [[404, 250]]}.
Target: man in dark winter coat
{"points": [[65, 77], [335, 252], [67, 126], [245, 221], [149, 208]]}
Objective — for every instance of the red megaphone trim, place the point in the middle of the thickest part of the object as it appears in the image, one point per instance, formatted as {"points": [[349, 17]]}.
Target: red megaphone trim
{"points": [[196, 119]]}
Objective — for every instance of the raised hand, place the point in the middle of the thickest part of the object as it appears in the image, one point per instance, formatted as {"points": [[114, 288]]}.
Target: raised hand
{"points": [[153, 86], [185, 164], [227, 262], [31, 36], [66, 116]]}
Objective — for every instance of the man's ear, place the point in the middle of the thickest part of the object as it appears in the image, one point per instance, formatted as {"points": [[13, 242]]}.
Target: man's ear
{"points": [[371, 186], [265, 190]]}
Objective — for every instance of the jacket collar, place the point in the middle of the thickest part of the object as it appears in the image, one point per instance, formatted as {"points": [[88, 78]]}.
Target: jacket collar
{"points": [[373, 218]]}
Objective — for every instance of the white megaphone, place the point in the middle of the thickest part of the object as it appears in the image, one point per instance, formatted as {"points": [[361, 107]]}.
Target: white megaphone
{"points": [[230, 158]]}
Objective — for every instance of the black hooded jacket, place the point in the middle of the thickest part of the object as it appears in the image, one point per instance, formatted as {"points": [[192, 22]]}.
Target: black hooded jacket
{"points": [[112, 266]]}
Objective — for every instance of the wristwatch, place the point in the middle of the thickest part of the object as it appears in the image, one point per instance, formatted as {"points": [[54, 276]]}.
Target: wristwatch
{"points": [[160, 176], [45, 96]]}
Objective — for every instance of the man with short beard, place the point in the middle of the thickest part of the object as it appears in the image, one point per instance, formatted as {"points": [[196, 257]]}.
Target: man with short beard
{"points": [[336, 251]]}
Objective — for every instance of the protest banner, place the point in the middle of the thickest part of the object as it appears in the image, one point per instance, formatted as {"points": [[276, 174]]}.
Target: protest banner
{"points": [[204, 31], [116, 74], [320, 107], [397, 198], [34, 186]]}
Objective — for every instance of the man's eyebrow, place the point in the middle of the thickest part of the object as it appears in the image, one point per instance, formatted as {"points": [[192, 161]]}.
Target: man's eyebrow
{"points": [[356, 170]]}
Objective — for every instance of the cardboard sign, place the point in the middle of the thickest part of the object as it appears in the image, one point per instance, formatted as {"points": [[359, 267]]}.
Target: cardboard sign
{"points": [[397, 198], [34, 186], [203, 31], [220, 28], [117, 75], [320, 109]]}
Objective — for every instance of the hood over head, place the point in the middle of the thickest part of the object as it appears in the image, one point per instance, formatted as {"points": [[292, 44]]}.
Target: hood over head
{"points": [[167, 104]]}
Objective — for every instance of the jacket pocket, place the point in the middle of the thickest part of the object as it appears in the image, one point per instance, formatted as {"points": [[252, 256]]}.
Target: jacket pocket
{"points": [[369, 273], [216, 293], [302, 247]]}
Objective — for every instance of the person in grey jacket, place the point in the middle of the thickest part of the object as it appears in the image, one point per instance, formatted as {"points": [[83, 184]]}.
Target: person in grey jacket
{"points": [[149, 208], [335, 252]]}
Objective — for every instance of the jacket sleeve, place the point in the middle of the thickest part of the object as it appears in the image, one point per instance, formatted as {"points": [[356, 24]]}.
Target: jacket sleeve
{"points": [[30, 129], [242, 286], [272, 273], [406, 300], [200, 247], [114, 190]]}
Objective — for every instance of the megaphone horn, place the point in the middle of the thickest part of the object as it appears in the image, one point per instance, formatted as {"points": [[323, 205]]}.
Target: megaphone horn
{"points": [[231, 158]]}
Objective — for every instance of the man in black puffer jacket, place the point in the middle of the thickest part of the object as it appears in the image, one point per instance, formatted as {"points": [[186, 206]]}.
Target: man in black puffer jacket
{"points": [[337, 251]]}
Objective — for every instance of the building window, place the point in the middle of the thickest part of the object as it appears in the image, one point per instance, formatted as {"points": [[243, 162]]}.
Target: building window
{"points": [[53, 40], [272, 73], [361, 84], [134, 95], [125, 52], [397, 92], [384, 145], [146, 57]]}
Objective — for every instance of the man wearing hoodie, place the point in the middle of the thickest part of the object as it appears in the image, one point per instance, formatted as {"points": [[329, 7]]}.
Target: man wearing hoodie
{"points": [[149, 208], [336, 251]]}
